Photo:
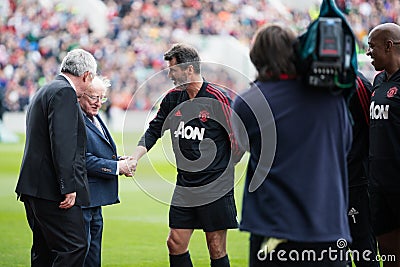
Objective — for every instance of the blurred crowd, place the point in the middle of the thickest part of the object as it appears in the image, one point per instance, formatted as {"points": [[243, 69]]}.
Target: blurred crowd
{"points": [[33, 38]]}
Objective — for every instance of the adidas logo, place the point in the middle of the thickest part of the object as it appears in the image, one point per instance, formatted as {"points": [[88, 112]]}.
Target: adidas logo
{"points": [[178, 113], [352, 212]]}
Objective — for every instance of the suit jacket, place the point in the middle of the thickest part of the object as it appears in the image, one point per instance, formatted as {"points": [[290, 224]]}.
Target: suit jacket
{"points": [[54, 156], [101, 165]]}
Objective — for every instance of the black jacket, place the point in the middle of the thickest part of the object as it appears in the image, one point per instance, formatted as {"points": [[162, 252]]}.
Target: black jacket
{"points": [[196, 126], [384, 152], [54, 157]]}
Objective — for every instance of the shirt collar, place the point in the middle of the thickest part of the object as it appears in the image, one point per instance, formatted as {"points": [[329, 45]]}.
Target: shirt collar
{"points": [[91, 118], [69, 80]]}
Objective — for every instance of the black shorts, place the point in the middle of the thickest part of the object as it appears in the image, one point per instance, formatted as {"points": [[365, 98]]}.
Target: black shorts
{"points": [[385, 211], [218, 215]]}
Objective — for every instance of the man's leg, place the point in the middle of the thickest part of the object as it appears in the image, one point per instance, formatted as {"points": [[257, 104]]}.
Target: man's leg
{"points": [[385, 215], [255, 245], [94, 228], [361, 228], [178, 243], [63, 231], [40, 253], [389, 244], [216, 243], [215, 219]]}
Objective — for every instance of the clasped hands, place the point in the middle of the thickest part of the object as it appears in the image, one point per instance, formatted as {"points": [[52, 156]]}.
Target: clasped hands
{"points": [[127, 166]]}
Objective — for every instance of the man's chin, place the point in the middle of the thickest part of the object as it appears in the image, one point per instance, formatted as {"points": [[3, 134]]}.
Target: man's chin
{"points": [[181, 87], [377, 68]]}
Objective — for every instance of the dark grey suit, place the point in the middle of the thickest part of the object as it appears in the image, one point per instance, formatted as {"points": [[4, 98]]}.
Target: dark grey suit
{"points": [[54, 165]]}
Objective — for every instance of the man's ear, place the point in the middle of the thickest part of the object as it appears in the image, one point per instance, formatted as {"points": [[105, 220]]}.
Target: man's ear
{"points": [[78, 95], [190, 69], [86, 76], [389, 44]]}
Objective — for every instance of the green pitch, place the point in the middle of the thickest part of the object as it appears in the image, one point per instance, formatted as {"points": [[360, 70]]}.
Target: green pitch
{"points": [[135, 231]]}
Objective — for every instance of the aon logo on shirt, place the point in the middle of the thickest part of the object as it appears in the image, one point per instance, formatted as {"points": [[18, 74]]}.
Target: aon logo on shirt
{"points": [[378, 112], [189, 132]]}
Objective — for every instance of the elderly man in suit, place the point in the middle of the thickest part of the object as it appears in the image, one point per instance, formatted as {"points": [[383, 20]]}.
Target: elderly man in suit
{"points": [[52, 181], [103, 166]]}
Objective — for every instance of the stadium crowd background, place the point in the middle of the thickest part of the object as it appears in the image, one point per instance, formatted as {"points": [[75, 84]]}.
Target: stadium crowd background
{"points": [[33, 38]]}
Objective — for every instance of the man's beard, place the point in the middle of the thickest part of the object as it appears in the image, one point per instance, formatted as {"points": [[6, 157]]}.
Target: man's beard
{"points": [[183, 86], [183, 83]]}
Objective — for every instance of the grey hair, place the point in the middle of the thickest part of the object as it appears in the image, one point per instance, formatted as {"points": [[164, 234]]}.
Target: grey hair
{"points": [[103, 80], [77, 62]]}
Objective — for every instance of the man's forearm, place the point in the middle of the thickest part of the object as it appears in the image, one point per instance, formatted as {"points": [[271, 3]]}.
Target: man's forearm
{"points": [[139, 152]]}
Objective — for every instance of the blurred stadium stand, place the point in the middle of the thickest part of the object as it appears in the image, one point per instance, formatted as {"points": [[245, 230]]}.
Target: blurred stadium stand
{"points": [[128, 38]]}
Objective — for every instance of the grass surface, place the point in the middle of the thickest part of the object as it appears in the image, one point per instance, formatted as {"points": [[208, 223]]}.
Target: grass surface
{"points": [[135, 230]]}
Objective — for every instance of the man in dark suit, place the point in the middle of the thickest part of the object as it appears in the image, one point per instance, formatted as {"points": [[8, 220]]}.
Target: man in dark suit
{"points": [[52, 181], [103, 166]]}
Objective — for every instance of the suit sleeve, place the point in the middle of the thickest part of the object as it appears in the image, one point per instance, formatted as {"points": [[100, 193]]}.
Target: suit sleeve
{"points": [[63, 131], [100, 167], [157, 126]]}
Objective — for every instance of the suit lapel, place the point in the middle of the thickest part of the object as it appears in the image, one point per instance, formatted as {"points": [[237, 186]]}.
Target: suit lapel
{"points": [[93, 128], [106, 132]]}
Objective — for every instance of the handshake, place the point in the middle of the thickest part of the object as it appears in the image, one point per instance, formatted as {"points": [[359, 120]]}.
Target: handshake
{"points": [[127, 166]]}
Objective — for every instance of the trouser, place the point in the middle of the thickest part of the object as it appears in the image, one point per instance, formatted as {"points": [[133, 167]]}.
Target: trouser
{"points": [[94, 229], [59, 237], [364, 242]]}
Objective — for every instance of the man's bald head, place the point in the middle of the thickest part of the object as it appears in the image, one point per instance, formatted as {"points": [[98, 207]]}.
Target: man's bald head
{"points": [[386, 32], [384, 47]]}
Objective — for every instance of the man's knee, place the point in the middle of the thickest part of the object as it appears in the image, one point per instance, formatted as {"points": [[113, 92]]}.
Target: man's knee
{"points": [[176, 244], [171, 244]]}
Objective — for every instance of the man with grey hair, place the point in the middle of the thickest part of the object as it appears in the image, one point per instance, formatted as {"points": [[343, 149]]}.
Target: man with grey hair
{"points": [[52, 181]]}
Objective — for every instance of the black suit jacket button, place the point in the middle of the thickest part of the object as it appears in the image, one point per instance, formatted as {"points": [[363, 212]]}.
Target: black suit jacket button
{"points": [[114, 157]]}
